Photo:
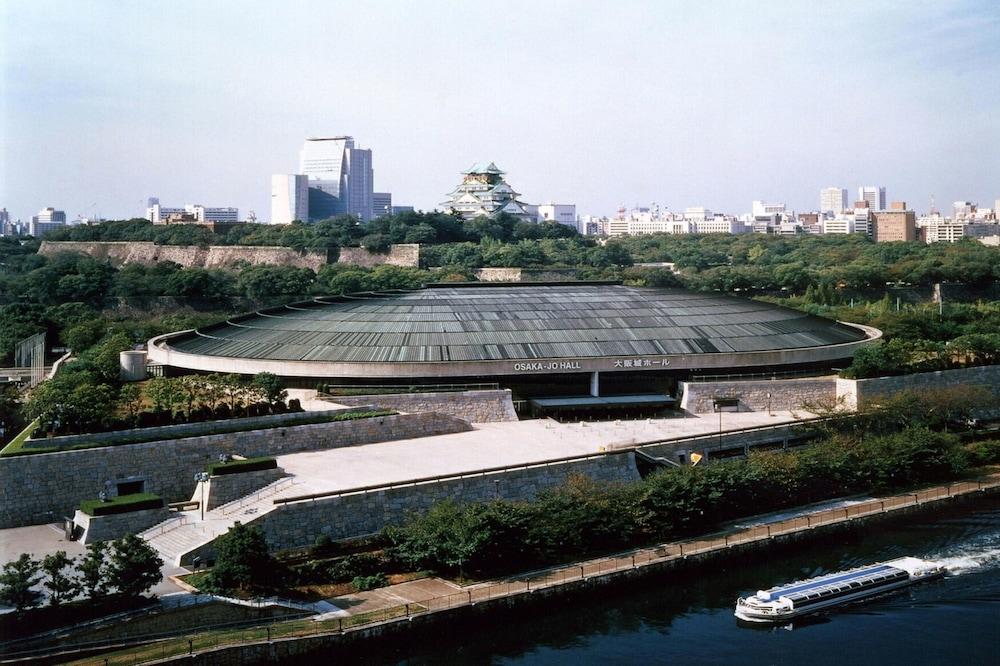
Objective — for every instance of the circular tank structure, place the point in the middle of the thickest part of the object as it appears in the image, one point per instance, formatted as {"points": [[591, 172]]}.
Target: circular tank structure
{"points": [[132, 366]]}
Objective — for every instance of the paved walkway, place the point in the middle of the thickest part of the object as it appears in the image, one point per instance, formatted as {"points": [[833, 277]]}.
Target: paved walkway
{"points": [[493, 445]]}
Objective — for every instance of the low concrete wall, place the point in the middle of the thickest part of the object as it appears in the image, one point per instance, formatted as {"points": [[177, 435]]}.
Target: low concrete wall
{"points": [[854, 393], [473, 406], [44, 487], [297, 524], [226, 488], [785, 394], [106, 528]]}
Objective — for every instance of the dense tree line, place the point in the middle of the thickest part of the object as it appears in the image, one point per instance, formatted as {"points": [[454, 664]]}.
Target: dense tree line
{"points": [[900, 444]]}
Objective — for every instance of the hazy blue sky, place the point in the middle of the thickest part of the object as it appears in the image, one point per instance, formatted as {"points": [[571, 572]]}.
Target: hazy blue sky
{"points": [[594, 103]]}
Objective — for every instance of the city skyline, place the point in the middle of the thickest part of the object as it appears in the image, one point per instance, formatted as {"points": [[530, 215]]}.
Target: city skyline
{"points": [[683, 106]]}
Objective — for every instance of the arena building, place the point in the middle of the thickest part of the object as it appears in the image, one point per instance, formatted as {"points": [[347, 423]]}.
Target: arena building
{"points": [[542, 340]]}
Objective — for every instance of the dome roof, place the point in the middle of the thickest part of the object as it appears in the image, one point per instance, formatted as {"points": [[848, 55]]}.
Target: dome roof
{"points": [[499, 323]]}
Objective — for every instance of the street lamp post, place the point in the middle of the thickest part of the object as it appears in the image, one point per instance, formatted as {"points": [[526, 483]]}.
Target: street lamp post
{"points": [[201, 478], [769, 404]]}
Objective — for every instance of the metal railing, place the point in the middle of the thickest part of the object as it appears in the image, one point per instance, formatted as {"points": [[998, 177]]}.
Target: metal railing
{"points": [[751, 376], [253, 498], [166, 526], [330, 390]]}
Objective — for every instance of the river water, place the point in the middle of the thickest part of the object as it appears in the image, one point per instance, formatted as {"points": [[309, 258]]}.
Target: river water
{"points": [[688, 618]]}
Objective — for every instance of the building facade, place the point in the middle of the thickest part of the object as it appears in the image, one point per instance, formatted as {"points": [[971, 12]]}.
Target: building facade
{"points": [[341, 179], [894, 225], [833, 200], [192, 214], [381, 204], [47, 220], [874, 195], [559, 213], [289, 198]]}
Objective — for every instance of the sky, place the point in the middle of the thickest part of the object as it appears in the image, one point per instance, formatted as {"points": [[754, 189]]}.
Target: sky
{"points": [[601, 104]]}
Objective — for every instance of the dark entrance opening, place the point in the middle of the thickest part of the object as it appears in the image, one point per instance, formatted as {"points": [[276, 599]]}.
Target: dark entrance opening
{"points": [[130, 487]]}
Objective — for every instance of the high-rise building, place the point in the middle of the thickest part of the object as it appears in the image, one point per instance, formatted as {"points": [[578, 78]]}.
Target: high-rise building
{"points": [[483, 191], [833, 200], [381, 204], [963, 208], [48, 219], [874, 195], [341, 180], [289, 198]]}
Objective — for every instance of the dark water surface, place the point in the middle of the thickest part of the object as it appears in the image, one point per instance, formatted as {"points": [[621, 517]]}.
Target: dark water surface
{"points": [[688, 619]]}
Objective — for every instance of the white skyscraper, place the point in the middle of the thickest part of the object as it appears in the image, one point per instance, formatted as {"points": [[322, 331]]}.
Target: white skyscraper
{"points": [[289, 198], [341, 180], [833, 200], [874, 195]]}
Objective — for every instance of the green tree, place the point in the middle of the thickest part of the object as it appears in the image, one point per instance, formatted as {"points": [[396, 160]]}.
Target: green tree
{"points": [[93, 570], [271, 387], [166, 393], [243, 563], [134, 566], [130, 401], [17, 582], [62, 586]]}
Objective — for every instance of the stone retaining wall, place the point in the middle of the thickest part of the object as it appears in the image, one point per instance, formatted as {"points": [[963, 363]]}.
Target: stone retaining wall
{"points": [[106, 528], [473, 406], [148, 253], [42, 488], [185, 429], [785, 394], [226, 488], [860, 392], [298, 524]]}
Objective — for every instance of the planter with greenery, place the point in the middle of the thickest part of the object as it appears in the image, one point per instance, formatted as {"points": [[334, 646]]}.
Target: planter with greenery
{"points": [[241, 466], [121, 504]]}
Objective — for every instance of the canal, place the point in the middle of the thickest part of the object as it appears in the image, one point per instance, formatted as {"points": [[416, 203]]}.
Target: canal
{"points": [[687, 618]]}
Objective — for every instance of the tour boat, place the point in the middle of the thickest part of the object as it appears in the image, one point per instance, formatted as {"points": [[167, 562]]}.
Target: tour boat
{"points": [[808, 596]]}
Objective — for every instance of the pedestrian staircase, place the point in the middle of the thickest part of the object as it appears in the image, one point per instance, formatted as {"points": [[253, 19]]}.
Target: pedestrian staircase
{"points": [[175, 538]]}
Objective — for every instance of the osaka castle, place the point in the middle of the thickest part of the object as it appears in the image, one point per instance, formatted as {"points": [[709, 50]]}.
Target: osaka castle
{"points": [[484, 192]]}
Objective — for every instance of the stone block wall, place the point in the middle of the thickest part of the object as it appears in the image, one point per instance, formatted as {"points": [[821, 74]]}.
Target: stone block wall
{"points": [[473, 406], [786, 394], [860, 392], [403, 254], [226, 488], [106, 528], [42, 488], [298, 524]]}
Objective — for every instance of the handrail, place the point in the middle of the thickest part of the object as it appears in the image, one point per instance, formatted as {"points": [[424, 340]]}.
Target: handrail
{"points": [[168, 525], [266, 491]]}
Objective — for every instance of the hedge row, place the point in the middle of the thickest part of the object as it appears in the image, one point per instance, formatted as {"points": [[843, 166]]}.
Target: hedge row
{"points": [[121, 504], [240, 466]]}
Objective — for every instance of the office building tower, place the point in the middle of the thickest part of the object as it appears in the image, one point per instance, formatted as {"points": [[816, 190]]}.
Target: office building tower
{"points": [[894, 225], [289, 198], [341, 180], [381, 204], [874, 195], [48, 219], [833, 200], [560, 213]]}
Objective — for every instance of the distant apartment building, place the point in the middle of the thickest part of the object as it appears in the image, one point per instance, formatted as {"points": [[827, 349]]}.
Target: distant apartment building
{"points": [[289, 198], [938, 229], [894, 225], [842, 224], [874, 195], [396, 210], [341, 179], [833, 200], [192, 214], [559, 213], [47, 220]]}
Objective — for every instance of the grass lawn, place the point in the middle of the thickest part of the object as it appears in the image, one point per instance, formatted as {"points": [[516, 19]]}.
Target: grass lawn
{"points": [[17, 443]]}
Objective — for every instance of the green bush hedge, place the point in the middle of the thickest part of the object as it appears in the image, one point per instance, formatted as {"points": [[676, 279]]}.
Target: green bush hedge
{"points": [[121, 504], [240, 466]]}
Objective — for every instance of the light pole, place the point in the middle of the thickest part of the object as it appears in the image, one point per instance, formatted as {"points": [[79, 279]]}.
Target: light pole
{"points": [[769, 405], [201, 478]]}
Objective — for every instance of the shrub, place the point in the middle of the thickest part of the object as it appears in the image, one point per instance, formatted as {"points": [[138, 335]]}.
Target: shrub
{"points": [[363, 583], [353, 566], [984, 453]]}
